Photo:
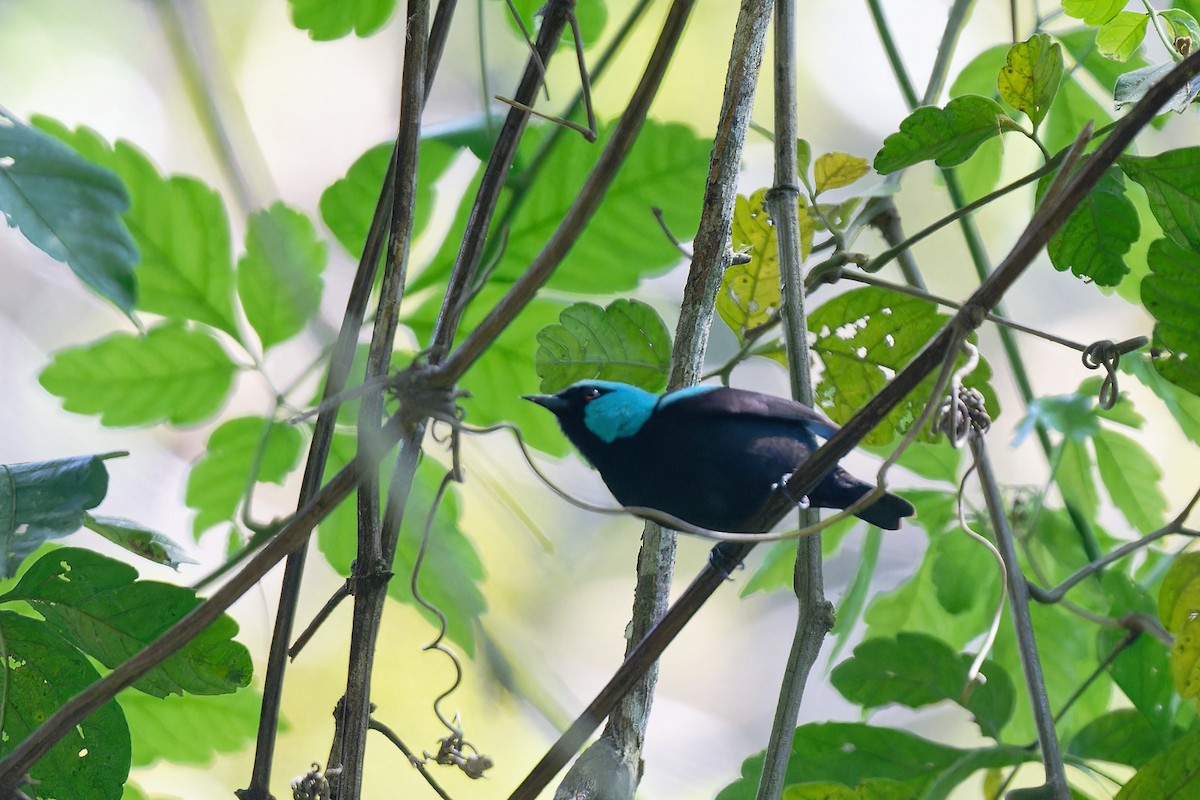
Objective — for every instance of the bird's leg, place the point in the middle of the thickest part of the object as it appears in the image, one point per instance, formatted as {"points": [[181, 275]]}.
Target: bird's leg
{"points": [[781, 487]]}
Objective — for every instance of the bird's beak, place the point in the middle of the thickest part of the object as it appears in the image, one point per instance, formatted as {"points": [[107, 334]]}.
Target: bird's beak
{"points": [[550, 402]]}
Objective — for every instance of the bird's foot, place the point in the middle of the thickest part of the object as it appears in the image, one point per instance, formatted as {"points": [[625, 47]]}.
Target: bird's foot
{"points": [[781, 487]]}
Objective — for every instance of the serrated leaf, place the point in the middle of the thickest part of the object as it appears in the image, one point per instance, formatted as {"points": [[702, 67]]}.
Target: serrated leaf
{"points": [[1075, 479], [917, 670], [849, 752], [750, 293], [1093, 12], [452, 570], [1133, 86], [219, 479], [139, 540], [180, 227], [348, 205], [863, 338], [1183, 406], [592, 17], [43, 672], [1073, 415], [1081, 44], [1141, 668], [1172, 182], [1092, 243], [1170, 294], [326, 21], [506, 371], [627, 342], [190, 729], [98, 604], [1173, 773], [854, 599], [1122, 35], [1030, 77], [279, 277], [946, 136], [1131, 477], [43, 500], [1185, 658], [623, 243], [835, 170], [68, 207], [172, 374]]}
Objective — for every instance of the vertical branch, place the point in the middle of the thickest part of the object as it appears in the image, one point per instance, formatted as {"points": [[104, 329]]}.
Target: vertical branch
{"points": [[1018, 597], [613, 762], [372, 569], [814, 614]]}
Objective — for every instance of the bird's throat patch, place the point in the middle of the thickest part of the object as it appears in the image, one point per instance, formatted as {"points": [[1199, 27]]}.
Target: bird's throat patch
{"points": [[618, 414]]}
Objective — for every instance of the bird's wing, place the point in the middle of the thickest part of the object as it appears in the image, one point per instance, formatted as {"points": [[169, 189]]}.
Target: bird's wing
{"points": [[724, 401]]}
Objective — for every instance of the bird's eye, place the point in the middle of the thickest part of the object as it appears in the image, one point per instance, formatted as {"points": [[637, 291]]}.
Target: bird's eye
{"points": [[590, 394]]}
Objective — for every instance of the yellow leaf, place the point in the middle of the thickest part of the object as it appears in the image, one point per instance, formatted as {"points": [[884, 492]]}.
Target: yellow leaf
{"points": [[835, 170], [1185, 659], [1030, 78], [1179, 597], [750, 292]]}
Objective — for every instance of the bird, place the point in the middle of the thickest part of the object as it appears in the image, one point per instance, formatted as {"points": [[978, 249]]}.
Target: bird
{"points": [[708, 455]]}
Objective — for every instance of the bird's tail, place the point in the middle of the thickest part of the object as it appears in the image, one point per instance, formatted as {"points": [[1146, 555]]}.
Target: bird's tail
{"points": [[841, 489]]}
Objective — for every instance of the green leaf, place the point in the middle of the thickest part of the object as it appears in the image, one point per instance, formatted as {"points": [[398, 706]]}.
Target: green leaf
{"points": [[171, 374], [190, 729], [1131, 477], [1098, 233], [1182, 29], [1172, 182], [326, 20], [1093, 12], [917, 670], [1030, 77], [965, 576], [279, 277], [850, 609], [1081, 44], [848, 752], [750, 293], [937, 461], [777, 570], [44, 500], [592, 17], [452, 570], [1073, 108], [803, 157], [863, 338], [348, 205], [1173, 773], [869, 789], [1169, 293], [836, 170], [1133, 86], [180, 227], [627, 341], [139, 540], [946, 136], [220, 478], [43, 672], [1141, 668], [68, 207], [623, 243], [1122, 35], [1075, 479], [98, 605], [1123, 737], [1073, 415], [506, 370], [1183, 406]]}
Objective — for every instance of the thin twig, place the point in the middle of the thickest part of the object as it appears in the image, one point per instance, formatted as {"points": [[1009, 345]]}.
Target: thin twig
{"points": [[1056, 777]]}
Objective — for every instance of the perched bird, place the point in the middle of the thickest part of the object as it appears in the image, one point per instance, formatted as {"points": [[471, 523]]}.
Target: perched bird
{"points": [[709, 455]]}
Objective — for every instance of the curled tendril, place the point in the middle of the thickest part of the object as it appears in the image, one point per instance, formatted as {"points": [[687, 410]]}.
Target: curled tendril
{"points": [[1105, 353]]}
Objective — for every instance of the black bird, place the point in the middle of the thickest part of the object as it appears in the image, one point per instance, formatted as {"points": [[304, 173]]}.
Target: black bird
{"points": [[708, 455]]}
